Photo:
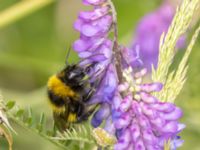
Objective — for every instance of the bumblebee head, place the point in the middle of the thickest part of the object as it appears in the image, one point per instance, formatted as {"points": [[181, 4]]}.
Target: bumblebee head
{"points": [[72, 75]]}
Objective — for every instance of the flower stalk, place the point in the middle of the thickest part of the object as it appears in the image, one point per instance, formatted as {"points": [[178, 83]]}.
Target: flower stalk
{"points": [[116, 48], [20, 10]]}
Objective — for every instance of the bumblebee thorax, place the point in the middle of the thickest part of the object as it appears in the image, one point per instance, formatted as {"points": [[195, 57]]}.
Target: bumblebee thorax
{"points": [[59, 88]]}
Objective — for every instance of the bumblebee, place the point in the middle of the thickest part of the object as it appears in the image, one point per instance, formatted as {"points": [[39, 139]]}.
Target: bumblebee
{"points": [[68, 92]]}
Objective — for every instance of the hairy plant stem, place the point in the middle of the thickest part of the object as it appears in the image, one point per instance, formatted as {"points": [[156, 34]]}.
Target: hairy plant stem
{"points": [[116, 47]]}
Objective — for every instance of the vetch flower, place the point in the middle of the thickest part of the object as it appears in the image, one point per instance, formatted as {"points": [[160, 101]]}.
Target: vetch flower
{"points": [[128, 108], [149, 30], [94, 46], [104, 95], [131, 57], [142, 121], [176, 142], [94, 26]]}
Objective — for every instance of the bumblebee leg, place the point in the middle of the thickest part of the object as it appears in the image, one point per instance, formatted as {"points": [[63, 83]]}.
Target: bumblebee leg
{"points": [[80, 110], [92, 90], [90, 66], [89, 94], [85, 115]]}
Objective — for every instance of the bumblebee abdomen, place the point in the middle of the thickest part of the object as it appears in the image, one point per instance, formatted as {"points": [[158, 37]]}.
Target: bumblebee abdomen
{"points": [[59, 94], [72, 117], [57, 103], [56, 100]]}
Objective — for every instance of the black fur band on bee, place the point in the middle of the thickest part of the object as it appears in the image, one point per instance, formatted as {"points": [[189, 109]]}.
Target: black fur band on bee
{"points": [[69, 91]]}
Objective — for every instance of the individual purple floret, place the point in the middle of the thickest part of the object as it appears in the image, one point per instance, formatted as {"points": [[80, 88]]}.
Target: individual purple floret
{"points": [[177, 142], [131, 57], [149, 30], [104, 95], [143, 122]]}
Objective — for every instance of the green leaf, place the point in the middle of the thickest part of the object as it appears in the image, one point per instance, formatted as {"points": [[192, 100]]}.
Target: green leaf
{"points": [[29, 120], [80, 133], [40, 125], [10, 104], [19, 113]]}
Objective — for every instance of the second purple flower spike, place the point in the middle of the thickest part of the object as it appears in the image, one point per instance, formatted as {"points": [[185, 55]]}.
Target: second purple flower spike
{"points": [[149, 30]]}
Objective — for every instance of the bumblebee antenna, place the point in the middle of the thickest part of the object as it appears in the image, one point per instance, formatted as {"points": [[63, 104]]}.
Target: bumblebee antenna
{"points": [[67, 56]]}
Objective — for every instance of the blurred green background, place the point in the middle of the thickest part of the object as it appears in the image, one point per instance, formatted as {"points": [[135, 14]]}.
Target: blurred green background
{"points": [[35, 46]]}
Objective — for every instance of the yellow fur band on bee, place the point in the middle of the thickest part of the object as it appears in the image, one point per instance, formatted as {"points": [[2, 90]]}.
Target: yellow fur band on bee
{"points": [[59, 88]]}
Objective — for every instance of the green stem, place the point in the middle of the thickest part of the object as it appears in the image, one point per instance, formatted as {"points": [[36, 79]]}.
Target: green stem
{"points": [[73, 139], [20, 10]]}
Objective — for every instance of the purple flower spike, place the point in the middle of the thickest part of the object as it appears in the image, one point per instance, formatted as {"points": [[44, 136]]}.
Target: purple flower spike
{"points": [[128, 110], [94, 27], [150, 121], [94, 47], [149, 30]]}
